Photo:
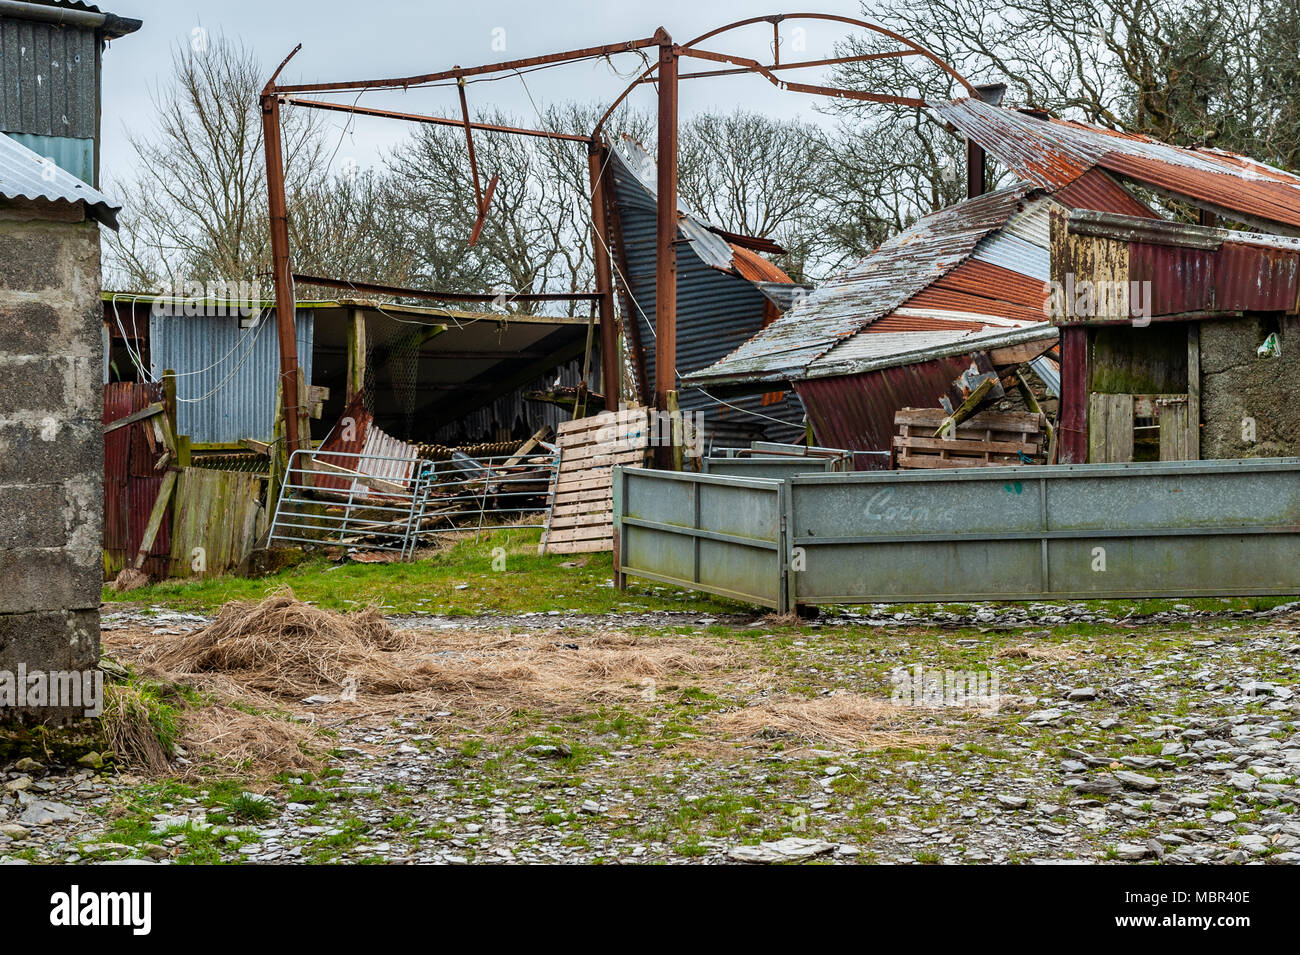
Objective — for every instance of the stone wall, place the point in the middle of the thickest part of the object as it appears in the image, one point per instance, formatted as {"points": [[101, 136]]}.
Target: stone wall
{"points": [[1237, 384], [51, 441]]}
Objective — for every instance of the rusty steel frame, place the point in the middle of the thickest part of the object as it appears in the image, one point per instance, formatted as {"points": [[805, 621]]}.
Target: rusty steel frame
{"points": [[440, 295], [664, 73], [278, 211], [434, 120]]}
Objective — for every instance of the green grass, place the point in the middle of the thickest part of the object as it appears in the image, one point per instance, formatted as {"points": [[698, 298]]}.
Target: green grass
{"points": [[459, 581], [463, 580]]}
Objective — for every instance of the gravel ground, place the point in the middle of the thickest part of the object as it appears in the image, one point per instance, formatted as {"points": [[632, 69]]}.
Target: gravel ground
{"points": [[1092, 738]]}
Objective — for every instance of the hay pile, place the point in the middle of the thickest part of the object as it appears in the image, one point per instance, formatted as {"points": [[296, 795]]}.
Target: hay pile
{"points": [[281, 652], [292, 650], [843, 719], [225, 738]]}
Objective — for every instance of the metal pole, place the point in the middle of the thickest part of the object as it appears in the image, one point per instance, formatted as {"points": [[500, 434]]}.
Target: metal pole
{"points": [[975, 163], [469, 143], [611, 380], [666, 230], [284, 305]]}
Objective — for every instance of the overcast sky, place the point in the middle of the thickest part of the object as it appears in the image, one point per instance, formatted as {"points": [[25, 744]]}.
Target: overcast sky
{"points": [[378, 38]]}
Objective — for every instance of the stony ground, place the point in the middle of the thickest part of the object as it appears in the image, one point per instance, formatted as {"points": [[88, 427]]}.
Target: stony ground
{"points": [[1107, 737]]}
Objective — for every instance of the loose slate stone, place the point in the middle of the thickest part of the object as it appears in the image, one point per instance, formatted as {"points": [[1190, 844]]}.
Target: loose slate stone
{"points": [[1137, 781], [791, 849]]}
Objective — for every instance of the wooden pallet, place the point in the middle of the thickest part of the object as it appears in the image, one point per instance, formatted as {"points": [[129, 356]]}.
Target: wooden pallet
{"points": [[581, 519], [983, 440]]}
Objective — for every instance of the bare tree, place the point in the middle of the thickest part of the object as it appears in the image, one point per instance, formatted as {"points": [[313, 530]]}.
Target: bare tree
{"points": [[536, 233], [195, 201], [759, 176]]}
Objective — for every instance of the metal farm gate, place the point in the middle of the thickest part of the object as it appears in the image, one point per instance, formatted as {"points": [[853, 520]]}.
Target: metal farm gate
{"points": [[721, 534], [1168, 529]]}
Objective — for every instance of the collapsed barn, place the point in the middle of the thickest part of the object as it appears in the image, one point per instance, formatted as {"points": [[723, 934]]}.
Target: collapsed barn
{"points": [[964, 342], [1177, 341]]}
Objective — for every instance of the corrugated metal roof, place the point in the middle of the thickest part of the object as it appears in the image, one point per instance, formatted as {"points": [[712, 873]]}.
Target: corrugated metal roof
{"points": [[717, 309], [25, 175], [227, 376], [907, 264], [1053, 153], [50, 84], [863, 353], [1098, 190]]}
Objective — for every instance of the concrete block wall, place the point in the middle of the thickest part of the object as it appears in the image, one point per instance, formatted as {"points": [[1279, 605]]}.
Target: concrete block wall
{"points": [[1236, 384], [51, 440]]}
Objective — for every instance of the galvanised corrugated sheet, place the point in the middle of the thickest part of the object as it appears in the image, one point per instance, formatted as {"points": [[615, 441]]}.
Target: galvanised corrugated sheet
{"points": [[48, 81], [76, 156], [26, 175], [1053, 153], [227, 376], [717, 312], [841, 307], [863, 353]]}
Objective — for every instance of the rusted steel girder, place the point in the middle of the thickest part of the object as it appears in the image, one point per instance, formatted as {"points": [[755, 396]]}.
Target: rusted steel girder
{"points": [[286, 328], [776, 81], [434, 120], [802, 65], [480, 201], [611, 379], [586, 53], [836, 18], [443, 296], [666, 230]]}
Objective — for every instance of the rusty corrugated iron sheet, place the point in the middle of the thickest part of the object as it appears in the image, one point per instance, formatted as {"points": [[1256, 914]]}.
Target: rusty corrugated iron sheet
{"points": [[1235, 277], [856, 412], [902, 267], [1194, 269], [1054, 153], [989, 281], [1096, 189], [718, 306], [355, 433], [750, 265], [130, 482]]}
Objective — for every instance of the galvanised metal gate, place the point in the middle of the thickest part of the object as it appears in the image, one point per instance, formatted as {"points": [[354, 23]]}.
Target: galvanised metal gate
{"points": [[1168, 529], [724, 535]]}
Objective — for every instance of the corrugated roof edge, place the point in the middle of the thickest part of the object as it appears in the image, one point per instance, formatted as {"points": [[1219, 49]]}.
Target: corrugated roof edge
{"points": [[426, 311], [975, 341], [26, 175], [802, 357], [1115, 225]]}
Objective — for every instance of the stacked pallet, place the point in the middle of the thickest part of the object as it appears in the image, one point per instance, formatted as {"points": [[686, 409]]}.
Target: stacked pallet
{"points": [[582, 509], [982, 440]]}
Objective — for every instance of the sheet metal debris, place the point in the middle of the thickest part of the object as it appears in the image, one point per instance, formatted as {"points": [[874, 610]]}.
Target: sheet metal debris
{"points": [[1053, 153], [994, 249]]}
